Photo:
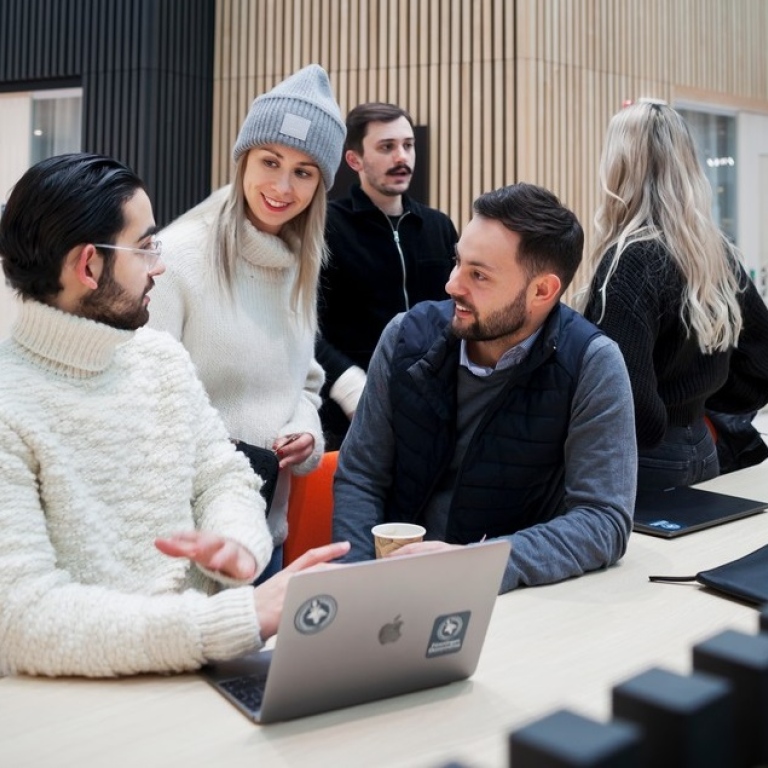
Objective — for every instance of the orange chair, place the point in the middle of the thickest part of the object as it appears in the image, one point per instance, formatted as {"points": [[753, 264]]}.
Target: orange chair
{"points": [[310, 509]]}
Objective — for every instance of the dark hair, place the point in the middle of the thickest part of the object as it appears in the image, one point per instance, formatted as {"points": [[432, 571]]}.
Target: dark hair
{"points": [[551, 238], [59, 203], [372, 112]]}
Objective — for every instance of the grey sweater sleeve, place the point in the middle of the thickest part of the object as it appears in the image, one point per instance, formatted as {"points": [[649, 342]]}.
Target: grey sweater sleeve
{"points": [[364, 472], [600, 481]]}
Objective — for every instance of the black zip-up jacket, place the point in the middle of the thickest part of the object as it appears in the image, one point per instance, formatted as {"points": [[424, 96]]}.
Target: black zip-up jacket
{"points": [[376, 269]]}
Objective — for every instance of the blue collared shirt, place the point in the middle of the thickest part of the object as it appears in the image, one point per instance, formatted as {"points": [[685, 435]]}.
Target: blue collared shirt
{"points": [[513, 356]]}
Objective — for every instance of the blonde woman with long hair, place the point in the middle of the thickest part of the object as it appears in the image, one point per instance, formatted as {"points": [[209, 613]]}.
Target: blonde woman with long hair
{"points": [[669, 288], [240, 289]]}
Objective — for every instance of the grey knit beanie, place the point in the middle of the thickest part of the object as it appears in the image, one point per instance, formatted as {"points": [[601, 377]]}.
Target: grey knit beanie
{"points": [[300, 112]]}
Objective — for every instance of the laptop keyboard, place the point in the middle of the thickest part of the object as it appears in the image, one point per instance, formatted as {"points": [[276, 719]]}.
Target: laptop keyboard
{"points": [[248, 690]]}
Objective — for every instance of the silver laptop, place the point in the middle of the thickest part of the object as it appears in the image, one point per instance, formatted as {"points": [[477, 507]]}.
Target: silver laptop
{"points": [[367, 631]]}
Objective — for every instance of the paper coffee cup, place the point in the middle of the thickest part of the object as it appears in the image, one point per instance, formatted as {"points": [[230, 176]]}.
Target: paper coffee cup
{"points": [[388, 537]]}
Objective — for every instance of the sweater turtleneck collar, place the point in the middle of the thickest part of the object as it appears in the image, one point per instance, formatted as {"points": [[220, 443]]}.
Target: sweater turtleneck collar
{"points": [[264, 250], [65, 343]]}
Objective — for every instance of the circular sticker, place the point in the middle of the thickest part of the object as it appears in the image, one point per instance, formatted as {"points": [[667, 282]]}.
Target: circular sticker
{"points": [[450, 627], [315, 614]]}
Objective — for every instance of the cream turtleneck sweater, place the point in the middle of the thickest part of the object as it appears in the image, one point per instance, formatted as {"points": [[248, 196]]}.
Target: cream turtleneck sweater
{"points": [[254, 355], [107, 441]]}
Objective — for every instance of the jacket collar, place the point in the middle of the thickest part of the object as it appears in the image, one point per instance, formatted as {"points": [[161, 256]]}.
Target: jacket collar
{"points": [[446, 348], [548, 339], [361, 203]]}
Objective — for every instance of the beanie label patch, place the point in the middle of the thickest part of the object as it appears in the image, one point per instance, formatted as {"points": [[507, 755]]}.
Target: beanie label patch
{"points": [[296, 127]]}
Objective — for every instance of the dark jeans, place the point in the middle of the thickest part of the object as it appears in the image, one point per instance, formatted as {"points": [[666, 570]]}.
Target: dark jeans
{"points": [[335, 424], [685, 456], [275, 565]]}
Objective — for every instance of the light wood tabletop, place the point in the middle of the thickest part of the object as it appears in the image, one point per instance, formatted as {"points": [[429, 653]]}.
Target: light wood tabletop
{"points": [[563, 645]]}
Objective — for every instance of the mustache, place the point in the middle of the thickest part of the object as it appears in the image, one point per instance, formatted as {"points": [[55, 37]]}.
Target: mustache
{"points": [[463, 304], [398, 168]]}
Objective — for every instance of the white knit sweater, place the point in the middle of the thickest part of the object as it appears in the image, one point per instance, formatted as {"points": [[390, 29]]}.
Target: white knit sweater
{"points": [[254, 355], [107, 441]]}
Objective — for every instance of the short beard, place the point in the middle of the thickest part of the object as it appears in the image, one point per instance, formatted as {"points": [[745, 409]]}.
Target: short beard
{"points": [[110, 304], [499, 324]]}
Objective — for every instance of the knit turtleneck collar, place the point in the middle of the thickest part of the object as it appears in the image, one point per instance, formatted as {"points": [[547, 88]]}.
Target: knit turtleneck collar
{"points": [[264, 250], [65, 343]]}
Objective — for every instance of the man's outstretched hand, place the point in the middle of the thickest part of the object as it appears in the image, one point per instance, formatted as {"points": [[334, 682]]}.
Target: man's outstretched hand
{"points": [[211, 551]]}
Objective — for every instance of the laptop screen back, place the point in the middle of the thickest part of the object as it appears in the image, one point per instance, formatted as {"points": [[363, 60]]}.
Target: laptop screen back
{"points": [[371, 630], [678, 511]]}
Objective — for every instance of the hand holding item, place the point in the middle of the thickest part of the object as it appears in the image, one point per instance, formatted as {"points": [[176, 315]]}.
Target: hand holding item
{"points": [[269, 597], [211, 551], [293, 449], [388, 537]]}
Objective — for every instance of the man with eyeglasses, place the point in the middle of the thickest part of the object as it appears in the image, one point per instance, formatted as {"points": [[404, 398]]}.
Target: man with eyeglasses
{"points": [[130, 529]]}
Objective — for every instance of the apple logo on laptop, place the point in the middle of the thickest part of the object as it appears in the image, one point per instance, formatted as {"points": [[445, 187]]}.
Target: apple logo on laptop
{"points": [[390, 632]]}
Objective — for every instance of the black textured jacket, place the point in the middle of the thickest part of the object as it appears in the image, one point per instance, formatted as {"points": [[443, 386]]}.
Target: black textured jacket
{"points": [[376, 269]]}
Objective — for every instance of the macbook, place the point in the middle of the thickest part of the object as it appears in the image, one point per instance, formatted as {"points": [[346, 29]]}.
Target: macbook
{"points": [[677, 511], [370, 630]]}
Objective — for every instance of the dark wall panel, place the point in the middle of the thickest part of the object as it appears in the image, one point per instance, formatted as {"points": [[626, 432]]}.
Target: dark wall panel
{"points": [[38, 42], [146, 69]]}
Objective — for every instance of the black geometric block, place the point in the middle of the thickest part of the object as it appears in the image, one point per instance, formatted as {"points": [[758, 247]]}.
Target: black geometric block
{"points": [[763, 621], [564, 739], [742, 659], [686, 721]]}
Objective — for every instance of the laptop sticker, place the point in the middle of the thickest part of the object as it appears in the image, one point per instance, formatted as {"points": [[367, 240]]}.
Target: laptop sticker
{"points": [[448, 634], [315, 614], [665, 525]]}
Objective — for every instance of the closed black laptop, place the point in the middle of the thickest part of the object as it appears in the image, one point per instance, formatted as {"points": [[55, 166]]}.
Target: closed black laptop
{"points": [[677, 511]]}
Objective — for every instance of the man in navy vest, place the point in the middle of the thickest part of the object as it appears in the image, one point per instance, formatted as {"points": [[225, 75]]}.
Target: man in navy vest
{"points": [[499, 413]]}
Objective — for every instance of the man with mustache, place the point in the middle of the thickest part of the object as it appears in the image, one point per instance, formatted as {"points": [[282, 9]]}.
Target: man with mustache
{"points": [[130, 527], [499, 413], [387, 252]]}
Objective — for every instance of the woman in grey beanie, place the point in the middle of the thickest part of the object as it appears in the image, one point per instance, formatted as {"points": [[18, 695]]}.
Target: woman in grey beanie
{"points": [[241, 280]]}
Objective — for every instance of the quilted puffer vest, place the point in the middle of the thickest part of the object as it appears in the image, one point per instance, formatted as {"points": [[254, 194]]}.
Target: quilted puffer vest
{"points": [[512, 473]]}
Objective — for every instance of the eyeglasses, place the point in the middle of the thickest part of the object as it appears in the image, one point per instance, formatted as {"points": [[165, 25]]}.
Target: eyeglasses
{"points": [[151, 255]]}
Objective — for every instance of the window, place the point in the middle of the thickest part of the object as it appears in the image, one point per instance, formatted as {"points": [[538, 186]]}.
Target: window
{"points": [[56, 123], [34, 125], [715, 137]]}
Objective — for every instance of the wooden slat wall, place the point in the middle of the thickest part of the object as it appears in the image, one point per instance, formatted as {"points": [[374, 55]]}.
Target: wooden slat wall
{"points": [[510, 89], [449, 62], [577, 61]]}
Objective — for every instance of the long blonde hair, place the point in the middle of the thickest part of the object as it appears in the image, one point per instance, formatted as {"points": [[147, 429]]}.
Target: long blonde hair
{"points": [[304, 234], [655, 189]]}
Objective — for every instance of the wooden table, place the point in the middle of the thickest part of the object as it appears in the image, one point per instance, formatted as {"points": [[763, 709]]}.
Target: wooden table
{"points": [[563, 645]]}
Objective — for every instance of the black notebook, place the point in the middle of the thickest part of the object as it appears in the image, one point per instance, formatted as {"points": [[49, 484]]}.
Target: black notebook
{"points": [[678, 511]]}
